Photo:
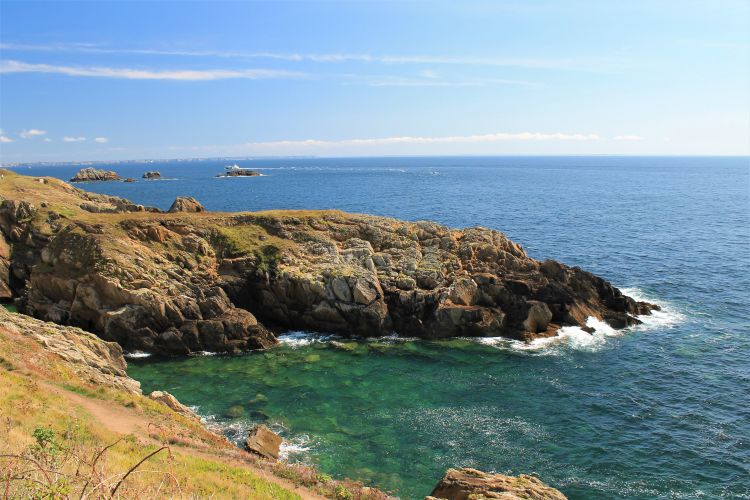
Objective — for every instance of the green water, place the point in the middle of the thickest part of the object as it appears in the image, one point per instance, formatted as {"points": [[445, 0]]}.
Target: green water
{"points": [[10, 308], [598, 417]]}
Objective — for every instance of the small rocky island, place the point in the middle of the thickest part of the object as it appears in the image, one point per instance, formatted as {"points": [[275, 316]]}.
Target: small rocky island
{"points": [[237, 171], [91, 174], [152, 175]]}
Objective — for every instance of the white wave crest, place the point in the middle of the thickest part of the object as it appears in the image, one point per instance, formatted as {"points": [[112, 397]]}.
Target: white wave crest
{"points": [[574, 337], [295, 448], [300, 339], [137, 354], [668, 317]]}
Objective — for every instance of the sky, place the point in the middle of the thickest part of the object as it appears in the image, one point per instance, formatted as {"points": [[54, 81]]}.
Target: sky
{"points": [[83, 81]]}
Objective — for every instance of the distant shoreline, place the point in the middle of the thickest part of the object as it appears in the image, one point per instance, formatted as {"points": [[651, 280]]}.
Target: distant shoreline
{"points": [[311, 157]]}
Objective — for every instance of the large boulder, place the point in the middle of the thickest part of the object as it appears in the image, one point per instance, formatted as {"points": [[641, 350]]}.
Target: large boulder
{"points": [[186, 204], [263, 441], [471, 484], [92, 174]]}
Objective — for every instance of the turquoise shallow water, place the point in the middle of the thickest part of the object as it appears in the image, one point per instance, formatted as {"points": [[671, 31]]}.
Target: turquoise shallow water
{"points": [[659, 411]]}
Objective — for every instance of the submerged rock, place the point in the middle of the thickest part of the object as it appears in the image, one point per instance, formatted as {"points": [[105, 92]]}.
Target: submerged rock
{"points": [[263, 441], [186, 204], [471, 484], [92, 174]]}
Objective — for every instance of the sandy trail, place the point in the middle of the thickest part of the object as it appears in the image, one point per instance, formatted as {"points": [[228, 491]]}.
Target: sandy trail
{"points": [[121, 420]]}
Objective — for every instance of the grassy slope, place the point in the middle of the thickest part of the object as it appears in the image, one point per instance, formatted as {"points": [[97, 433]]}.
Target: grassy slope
{"points": [[39, 391], [54, 422]]}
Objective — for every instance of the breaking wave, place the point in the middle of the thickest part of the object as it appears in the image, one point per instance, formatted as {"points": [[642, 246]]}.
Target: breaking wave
{"points": [[574, 337]]}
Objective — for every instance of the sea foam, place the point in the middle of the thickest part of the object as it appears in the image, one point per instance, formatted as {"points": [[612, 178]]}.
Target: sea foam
{"points": [[574, 337]]}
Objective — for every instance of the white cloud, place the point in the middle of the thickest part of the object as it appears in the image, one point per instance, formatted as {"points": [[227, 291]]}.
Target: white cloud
{"points": [[628, 138], [28, 134], [74, 139], [5, 140], [569, 63], [46, 139], [101, 140], [140, 74], [455, 139]]}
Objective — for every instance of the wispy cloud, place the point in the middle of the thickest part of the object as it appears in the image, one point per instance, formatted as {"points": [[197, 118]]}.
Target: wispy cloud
{"points": [[74, 139], [454, 139], [5, 139], [628, 138], [34, 132], [432, 81], [140, 74], [562, 63], [101, 140]]}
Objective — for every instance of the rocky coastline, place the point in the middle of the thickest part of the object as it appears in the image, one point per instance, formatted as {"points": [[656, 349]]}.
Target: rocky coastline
{"points": [[71, 364], [190, 280]]}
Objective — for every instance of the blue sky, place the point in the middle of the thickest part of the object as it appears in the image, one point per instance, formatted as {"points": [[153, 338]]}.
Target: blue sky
{"points": [[120, 80]]}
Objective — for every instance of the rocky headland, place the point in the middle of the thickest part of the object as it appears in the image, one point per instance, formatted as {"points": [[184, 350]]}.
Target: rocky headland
{"points": [[92, 174], [192, 280]]}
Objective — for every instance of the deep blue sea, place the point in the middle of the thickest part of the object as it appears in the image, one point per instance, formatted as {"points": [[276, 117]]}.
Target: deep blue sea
{"points": [[658, 411]]}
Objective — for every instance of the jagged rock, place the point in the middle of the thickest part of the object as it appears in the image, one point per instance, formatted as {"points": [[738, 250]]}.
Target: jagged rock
{"points": [[92, 174], [263, 441], [180, 283], [152, 175], [471, 484], [186, 204], [170, 401], [93, 359]]}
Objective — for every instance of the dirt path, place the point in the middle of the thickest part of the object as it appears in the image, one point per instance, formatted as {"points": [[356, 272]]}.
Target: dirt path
{"points": [[121, 420]]}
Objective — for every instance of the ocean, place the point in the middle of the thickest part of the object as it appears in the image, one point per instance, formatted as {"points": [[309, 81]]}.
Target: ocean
{"points": [[661, 410]]}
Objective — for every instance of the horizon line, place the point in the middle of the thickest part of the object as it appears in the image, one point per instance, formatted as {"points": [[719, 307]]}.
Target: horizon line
{"points": [[323, 157]]}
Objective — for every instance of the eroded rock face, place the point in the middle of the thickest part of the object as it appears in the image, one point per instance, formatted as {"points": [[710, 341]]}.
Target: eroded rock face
{"points": [[186, 204], [471, 484], [92, 174], [179, 283], [94, 360]]}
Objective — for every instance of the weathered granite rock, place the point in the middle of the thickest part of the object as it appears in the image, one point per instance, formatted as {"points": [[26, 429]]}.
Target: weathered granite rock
{"points": [[186, 204], [178, 283], [152, 175], [263, 441], [92, 359], [170, 401], [92, 174], [471, 484]]}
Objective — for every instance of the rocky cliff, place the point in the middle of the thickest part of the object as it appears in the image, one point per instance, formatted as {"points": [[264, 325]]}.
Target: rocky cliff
{"points": [[183, 282]]}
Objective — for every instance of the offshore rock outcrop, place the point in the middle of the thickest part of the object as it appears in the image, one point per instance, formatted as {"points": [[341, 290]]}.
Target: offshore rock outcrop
{"points": [[184, 282], [92, 174], [471, 484]]}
